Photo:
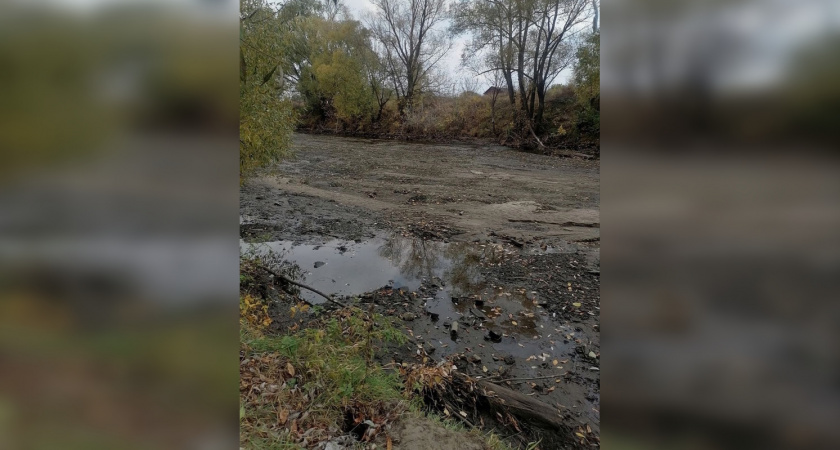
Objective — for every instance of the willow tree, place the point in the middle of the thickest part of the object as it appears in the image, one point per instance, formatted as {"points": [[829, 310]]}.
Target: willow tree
{"points": [[334, 80], [265, 116]]}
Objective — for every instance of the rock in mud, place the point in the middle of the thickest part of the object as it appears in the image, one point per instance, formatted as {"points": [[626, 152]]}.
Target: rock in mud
{"points": [[509, 360], [447, 324], [319, 264], [454, 330], [492, 336], [408, 316]]}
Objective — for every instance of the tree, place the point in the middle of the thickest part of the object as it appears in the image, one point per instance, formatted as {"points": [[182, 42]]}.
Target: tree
{"points": [[412, 42], [498, 78], [335, 82], [528, 41], [587, 81], [265, 123], [382, 90]]}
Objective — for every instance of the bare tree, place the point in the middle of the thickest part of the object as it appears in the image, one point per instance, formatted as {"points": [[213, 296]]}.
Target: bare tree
{"points": [[469, 83], [379, 79], [527, 40], [491, 25], [334, 10], [498, 78], [555, 22], [413, 43]]}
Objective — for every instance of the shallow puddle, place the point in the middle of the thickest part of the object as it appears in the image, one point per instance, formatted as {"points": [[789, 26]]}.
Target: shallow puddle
{"points": [[445, 276]]}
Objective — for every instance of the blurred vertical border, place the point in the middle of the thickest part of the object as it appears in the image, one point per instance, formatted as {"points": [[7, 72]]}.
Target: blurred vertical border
{"points": [[118, 216], [721, 212]]}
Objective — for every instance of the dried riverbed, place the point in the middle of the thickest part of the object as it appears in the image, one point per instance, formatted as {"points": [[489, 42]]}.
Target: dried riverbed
{"points": [[501, 245]]}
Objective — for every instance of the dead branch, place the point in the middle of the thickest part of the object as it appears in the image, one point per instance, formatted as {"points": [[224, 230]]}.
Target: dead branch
{"points": [[562, 224], [526, 379], [301, 285]]}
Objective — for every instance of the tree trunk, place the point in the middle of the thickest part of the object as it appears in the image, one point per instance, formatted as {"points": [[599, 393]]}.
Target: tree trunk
{"points": [[538, 116], [511, 92], [523, 406]]}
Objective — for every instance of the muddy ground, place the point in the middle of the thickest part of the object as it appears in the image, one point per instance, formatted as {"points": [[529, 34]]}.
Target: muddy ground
{"points": [[502, 243]]}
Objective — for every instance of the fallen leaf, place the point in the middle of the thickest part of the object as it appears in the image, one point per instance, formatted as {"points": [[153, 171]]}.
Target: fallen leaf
{"points": [[290, 369], [576, 304], [283, 416], [555, 362], [484, 368], [463, 413], [592, 354], [388, 444]]}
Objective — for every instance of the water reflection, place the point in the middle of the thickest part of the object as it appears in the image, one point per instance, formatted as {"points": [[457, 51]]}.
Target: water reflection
{"points": [[447, 275]]}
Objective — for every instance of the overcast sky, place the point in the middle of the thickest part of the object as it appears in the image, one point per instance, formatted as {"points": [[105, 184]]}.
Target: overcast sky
{"points": [[360, 9]]}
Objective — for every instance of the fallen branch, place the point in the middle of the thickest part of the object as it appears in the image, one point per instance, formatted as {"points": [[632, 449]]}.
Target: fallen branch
{"points": [[301, 285], [562, 224], [542, 146], [572, 154], [526, 379]]}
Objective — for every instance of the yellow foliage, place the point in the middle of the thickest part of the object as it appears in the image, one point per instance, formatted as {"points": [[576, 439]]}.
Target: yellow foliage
{"points": [[255, 311], [300, 307]]}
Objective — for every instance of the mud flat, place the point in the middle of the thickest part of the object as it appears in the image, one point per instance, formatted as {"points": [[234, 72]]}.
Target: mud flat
{"points": [[503, 246]]}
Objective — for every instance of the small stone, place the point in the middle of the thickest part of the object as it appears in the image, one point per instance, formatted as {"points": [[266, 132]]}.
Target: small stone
{"points": [[509, 360], [319, 264], [492, 336], [447, 324], [408, 316]]}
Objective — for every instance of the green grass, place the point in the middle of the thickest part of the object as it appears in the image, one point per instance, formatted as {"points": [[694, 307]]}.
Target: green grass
{"points": [[333, 370]]}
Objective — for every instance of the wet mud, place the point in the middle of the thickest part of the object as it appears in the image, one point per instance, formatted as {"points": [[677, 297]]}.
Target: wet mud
{"points": [[519, 287]]}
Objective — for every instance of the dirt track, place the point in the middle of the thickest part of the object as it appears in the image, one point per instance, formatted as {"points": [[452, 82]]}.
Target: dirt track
{"points": [[471, 190]]}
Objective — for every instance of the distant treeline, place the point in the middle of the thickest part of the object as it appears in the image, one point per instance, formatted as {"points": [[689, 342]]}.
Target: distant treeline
{"points": [[311, 61]]}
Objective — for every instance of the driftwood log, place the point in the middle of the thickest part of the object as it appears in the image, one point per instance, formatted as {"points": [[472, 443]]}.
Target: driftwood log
{"points": [[522, 406]]}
